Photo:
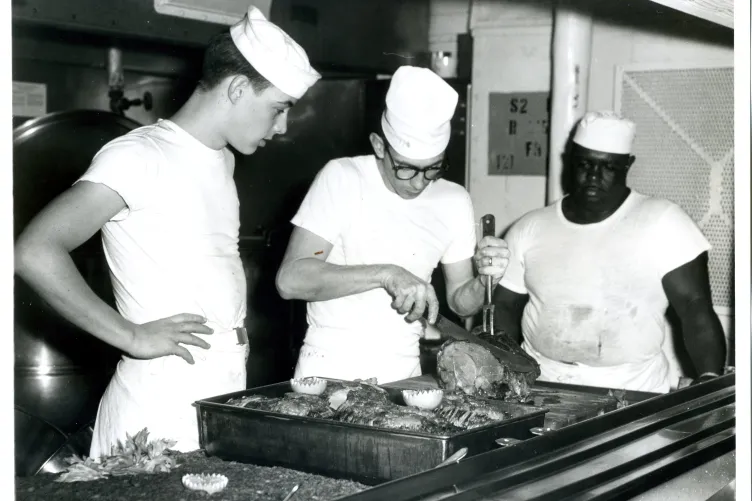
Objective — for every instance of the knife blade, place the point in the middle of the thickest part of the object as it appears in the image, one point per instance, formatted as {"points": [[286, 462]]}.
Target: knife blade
{"points": [[451, 330]]}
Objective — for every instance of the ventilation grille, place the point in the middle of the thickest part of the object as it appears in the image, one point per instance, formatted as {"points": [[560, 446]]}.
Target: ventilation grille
{"points": [[685, 153]]}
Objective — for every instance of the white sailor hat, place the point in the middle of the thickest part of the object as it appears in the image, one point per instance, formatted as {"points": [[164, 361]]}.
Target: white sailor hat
{"points": [[274, 54], [419, 106]]}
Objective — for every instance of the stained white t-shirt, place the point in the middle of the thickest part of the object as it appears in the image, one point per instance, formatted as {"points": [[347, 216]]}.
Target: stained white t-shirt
{"points": [[596, 296], [349, 205], [174, 248]]}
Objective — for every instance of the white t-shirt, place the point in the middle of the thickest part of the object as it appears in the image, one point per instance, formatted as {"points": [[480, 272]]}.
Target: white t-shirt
{"points": [[595, 290], [350, 206], [174, 248]]}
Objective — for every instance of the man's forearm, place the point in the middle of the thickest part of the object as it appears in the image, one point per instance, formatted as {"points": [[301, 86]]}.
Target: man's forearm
{"points": [[54, 276], [468, 299], [311, 279], [704, 340]]}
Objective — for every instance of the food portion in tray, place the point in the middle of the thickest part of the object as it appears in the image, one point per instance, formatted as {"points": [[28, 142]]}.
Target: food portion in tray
{"points": [[473, 369], [363, 402]]}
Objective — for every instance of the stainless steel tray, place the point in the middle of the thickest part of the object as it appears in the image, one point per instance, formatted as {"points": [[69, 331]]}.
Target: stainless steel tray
{"points": [[365, 454]]}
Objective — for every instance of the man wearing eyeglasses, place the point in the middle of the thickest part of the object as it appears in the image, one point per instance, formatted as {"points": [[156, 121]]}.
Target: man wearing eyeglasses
{"points": [[369, 234], [590, 277]]}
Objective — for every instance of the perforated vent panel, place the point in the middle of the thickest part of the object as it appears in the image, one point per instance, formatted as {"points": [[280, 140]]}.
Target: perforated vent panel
{"points": [[685, 153]]}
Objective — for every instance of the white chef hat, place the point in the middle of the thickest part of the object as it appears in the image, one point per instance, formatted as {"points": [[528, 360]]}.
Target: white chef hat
{"points": [[605, 131], [419, 105], [275, 55]]}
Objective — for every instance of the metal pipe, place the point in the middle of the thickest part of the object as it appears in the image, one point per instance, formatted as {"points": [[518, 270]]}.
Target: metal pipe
{"points": [[116, 77], [572, 42]]}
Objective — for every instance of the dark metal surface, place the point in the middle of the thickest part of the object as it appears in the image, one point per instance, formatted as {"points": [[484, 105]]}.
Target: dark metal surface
{"points": [[49, 154], [77, 444], [60, 371], [369, 35], [116, 17], [47, 445], [42, 440], [363, 453], [69, 400], [615, 456], [695, 484], [728, 493]]}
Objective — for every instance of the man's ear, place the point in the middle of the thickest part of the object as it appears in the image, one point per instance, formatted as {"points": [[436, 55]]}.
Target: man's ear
{"points": [[630, 161], [377, 143], [239, 85]]}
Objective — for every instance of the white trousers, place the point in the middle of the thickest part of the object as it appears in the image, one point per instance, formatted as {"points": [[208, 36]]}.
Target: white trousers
{"points": [[158, 394]]}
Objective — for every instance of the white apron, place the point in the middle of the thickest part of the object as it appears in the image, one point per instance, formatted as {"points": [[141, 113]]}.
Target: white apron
{"points": [[348, 362], [158, 394], [651, 375]]}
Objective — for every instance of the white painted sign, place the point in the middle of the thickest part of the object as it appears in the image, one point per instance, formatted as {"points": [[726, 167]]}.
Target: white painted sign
{"points": [[518, 133], [29, 99]]}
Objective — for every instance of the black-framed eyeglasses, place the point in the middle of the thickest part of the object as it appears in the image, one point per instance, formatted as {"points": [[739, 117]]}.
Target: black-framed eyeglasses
{"points": [[407, 172]]}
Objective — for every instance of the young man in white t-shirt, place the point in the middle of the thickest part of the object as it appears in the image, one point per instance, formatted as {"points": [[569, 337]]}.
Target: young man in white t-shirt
{"points": [[164, 197], [590, 277], [369, 234]]}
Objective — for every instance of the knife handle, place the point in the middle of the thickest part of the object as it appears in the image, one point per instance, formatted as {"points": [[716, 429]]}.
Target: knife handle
{"points": [[488, 223]]}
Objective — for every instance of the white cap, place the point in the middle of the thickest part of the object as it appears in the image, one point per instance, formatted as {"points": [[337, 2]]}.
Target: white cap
{"points": [[275, 55], [419, 106], [605, 131]]}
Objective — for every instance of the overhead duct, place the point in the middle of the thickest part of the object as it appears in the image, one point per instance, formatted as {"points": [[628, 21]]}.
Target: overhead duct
{"points": [[211, 11], [716, 11]]}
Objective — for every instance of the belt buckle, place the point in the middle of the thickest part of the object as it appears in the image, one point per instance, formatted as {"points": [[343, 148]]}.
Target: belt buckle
{"points": [[242, 335]]}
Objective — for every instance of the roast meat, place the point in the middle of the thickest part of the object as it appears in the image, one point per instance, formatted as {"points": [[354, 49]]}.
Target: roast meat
{"points": [[472, 369]]}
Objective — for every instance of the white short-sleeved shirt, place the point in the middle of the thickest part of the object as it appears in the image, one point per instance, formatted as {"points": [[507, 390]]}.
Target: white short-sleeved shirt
{"points": [[174, 248], [596, 296], [350, 206]]}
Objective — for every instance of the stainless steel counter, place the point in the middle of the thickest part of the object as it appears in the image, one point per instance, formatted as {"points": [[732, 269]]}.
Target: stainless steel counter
{"points": [[674, 446], [698, 484]]}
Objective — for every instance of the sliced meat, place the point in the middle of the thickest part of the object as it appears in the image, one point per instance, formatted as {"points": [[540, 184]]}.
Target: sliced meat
{"points": [[472, 369]]}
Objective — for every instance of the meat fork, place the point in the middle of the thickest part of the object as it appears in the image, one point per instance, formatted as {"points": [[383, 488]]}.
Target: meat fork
{"points": [[488, 222]]}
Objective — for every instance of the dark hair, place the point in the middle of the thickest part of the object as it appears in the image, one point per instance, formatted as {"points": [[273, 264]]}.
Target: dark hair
{"points": [[222, 59]]}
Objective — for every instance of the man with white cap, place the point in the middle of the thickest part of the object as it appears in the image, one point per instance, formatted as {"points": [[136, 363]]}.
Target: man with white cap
{"points": [[164, 197], [591, 276], [369, 234]]}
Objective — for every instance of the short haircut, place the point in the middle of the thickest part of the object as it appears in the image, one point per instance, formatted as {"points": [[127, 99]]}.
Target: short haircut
{"points": [[222, 59]]}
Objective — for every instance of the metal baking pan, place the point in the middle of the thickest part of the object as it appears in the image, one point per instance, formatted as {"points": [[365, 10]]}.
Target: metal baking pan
{"points": [[365, 454], [569, 404]]}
